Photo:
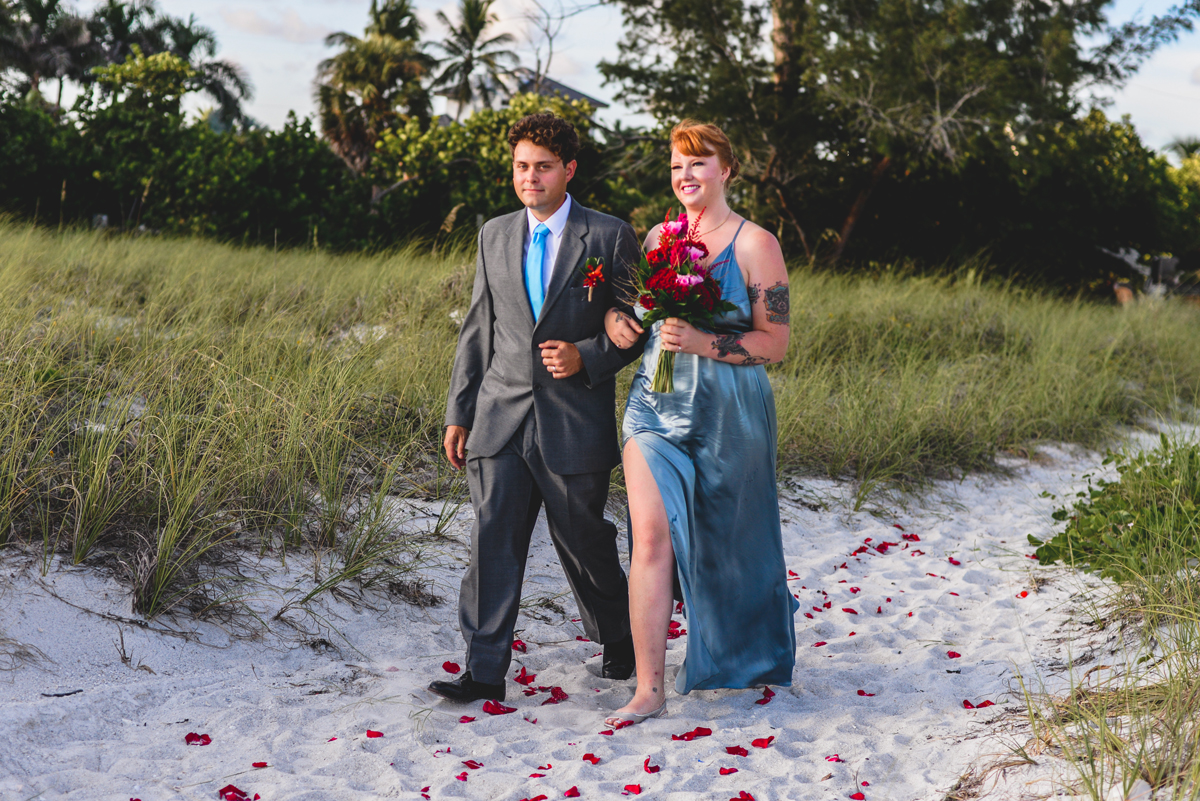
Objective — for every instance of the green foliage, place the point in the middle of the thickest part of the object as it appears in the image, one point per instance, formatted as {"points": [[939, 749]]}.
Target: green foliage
{"points": [[467, 166], [1123, 528]]}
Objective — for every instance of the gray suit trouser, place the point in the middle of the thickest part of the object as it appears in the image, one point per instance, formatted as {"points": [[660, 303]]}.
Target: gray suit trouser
{"points": [[507, 490]]}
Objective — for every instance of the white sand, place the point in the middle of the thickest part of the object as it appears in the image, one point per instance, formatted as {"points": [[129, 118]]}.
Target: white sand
{"points": [[271, 698]]}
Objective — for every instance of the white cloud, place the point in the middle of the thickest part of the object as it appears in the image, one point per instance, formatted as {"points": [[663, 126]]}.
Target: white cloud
{"points": [[287, 25]]}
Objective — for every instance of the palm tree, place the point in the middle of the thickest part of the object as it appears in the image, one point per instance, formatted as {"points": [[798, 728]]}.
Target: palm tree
{"points": [[1185, 147], [473, 66], [374, 83], [41, 39], [118, 25]]}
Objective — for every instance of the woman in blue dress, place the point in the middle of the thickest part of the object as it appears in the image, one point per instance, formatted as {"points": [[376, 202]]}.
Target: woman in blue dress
{"points": [[700, 461]]}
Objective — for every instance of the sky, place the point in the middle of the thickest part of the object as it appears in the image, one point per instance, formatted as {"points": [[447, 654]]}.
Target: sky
{"points": [[279, 44]]}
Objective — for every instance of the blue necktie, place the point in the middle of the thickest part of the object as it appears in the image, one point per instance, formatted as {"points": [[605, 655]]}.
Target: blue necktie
{"points": [[533, 269]]}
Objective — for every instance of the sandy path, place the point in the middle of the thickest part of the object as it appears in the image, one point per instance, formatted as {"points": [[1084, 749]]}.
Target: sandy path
{"points": [[877, 709]]}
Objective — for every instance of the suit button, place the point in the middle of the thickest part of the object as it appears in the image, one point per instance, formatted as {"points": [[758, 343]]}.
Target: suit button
{"points": [[537, 387]]}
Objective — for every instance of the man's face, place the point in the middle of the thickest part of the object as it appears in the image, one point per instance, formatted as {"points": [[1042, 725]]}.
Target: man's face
{"points": [[540, 178]]}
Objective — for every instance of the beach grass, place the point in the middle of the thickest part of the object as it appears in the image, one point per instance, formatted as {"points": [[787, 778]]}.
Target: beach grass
{"points": [[170, 401], [1135, 717]]}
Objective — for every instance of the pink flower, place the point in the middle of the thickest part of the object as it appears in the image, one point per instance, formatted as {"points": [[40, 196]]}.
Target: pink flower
{"points": [[675, 228], [688, 280]]}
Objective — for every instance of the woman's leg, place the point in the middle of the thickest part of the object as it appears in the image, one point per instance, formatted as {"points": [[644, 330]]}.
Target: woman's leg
{"points": [[650, 582]]}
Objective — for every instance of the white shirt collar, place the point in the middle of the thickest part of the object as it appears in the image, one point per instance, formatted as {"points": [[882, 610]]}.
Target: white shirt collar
{"points": [[557, 221]]}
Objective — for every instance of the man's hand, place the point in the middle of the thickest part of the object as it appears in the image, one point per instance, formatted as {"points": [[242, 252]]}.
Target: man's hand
{"points": [[562, 359], [622, 329], [456, 446]]}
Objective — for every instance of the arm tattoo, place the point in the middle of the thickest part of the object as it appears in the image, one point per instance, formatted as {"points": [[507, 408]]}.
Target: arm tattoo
{"points": [[730, 345], [753, 291], [779, 304]]}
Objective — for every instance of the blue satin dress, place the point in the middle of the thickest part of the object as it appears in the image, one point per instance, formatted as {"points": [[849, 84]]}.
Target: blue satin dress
{"points": [[710, 445]]}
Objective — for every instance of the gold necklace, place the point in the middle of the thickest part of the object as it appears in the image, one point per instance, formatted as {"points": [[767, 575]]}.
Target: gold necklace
{"points": [[710, 230]]}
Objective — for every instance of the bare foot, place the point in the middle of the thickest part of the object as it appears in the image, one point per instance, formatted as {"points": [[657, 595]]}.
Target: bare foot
{"points": [[636, 711]]}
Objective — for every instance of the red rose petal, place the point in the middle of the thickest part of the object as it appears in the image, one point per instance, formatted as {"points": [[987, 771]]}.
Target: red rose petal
{"points": [[632, 789], [849, 611], [679, 607], [986, 703], [809, 615], [857, 796], [879, 610], [472, 764], [646, 766], [954, 594], [331, 739], [258, 764], [953, 654], [728, 771], [1023, 594], [462, 777], [851, 634], [834, 758], [595, 760], [494, 708], [607, 731], [743, 796], [866, 694], [763, 742], [572, 793], [967, 704], [699, 731], [466, 719], [519, 646], [954, 561], [231, 793], [557, 696], [371, 733], [819, 644], [535, 798], [736, 750], [768, 694], [524, 677], [451, 667], [911, 537], [548, 766], [866, 784], [855, 590], [581, 638], [191, 738], [537, 775]]}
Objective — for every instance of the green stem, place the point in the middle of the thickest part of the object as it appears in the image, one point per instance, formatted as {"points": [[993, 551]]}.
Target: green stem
{"points": [[664, 372]]}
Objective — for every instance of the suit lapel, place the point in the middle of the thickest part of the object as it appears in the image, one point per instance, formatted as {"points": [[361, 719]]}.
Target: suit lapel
{"points": [[514, 264], [570, 252]]}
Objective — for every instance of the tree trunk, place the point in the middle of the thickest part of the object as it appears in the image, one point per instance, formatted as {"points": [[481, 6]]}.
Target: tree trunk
{"points": [[859, 204]]}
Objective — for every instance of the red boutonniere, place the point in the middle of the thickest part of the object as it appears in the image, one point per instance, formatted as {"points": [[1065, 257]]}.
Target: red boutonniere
{"points": [[593, 274]]}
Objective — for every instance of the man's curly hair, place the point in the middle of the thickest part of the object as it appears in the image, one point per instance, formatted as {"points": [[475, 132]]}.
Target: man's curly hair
{"points": [[548, 131]]}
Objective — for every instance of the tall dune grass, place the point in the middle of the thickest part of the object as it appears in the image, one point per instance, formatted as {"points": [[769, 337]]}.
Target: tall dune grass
{"points": [[167, 399]]}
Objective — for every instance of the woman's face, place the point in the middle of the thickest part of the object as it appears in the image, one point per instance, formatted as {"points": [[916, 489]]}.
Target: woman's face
{"points": [[698, 181]]}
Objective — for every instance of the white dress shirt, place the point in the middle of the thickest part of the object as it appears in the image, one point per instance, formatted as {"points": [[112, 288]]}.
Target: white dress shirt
{"points": [[557, 224]]}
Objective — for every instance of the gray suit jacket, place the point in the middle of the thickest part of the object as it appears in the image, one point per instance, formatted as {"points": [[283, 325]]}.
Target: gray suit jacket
{"points": [[498, 372]]}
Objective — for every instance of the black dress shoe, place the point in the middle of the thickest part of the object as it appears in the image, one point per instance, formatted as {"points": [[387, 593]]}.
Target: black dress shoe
{"points": [[618, 659], [465, 689]]}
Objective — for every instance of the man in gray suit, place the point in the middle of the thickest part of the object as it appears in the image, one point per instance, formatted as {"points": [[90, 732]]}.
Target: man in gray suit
{"points": [[531, 409]]}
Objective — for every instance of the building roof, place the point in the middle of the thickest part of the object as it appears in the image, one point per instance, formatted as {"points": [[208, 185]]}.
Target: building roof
{"points": [[526, 78]]}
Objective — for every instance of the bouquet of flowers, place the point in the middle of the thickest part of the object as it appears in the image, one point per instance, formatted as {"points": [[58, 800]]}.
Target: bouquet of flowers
{"points": [[670, 282]]}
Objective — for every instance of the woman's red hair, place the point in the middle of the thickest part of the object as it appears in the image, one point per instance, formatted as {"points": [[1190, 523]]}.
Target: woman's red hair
{"points": [[693, 138]]}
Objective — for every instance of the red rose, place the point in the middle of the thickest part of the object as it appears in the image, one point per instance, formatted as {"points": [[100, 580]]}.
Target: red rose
{"points": [[647, 302]]}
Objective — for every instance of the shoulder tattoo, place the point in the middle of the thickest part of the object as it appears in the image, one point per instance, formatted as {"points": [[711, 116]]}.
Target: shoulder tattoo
{"points": [[779, 304], [730, 345]]}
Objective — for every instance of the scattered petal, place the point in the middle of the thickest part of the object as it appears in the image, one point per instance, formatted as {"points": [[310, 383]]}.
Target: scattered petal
{"points": [[857, 796], [809, 615], [834, 758], [768, 694], [819, 644], [451, 667], [954, 561], [462, 777], [866, 784], [524, 677], [472, 764], [191, 738], [763, 742], [258, 764], [374, 734], [581, 638], [728, 771], [572, 793], [646, 766], [851, 634], [699, 731], [849, 611], [1023, 594], [537, 775], [331, 739], [535, 798], [519, 646], [967, 704], [632, 789], [954, 594], [231, 793], [793, 574], [557, 696], [953, 654], [494, 708], [743, 796], [548, 766], [866, 694], [595, 760], [911, 537], [879, 610], [736, 750], [855, 590], [466, 719], [679, 607]]}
